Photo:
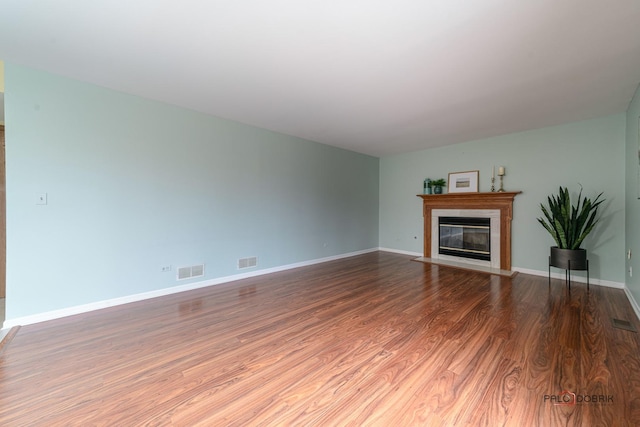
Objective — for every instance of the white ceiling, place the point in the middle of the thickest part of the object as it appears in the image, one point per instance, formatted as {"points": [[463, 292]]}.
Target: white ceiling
{"points": [[377, 77]]}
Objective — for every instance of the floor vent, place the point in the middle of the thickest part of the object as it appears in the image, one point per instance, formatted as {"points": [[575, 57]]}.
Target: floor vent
{"points": [[247, 262], [191, 271], [623, 324]]}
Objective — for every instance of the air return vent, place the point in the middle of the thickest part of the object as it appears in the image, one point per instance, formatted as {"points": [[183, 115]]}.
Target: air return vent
{"points": [[624, 324], [247, 262], [191, 271]]}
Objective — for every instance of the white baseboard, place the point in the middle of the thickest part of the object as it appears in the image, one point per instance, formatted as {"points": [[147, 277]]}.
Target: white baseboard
{"points": [[70, 311], [79, 309], [633, 302], [398, 251], [574, 278], [554, 275]]}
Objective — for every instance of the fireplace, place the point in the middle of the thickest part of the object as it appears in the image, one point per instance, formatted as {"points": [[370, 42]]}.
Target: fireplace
{"points": [[471, 236], [495, 207], [465, 237]]}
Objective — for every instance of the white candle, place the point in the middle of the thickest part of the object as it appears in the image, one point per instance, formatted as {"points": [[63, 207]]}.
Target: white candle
{"points": [[493, 171], [501, 171]]}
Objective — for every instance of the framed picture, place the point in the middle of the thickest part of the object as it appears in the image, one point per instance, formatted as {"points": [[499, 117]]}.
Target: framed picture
{"points": [[463, 182]]}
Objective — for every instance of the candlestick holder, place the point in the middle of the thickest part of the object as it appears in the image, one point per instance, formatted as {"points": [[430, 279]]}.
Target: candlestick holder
{"points": [[493, 187], [501, 189]]}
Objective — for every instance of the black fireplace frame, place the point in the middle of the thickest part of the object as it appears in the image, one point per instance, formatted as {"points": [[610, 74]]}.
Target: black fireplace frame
{"points": [[468, 223]]}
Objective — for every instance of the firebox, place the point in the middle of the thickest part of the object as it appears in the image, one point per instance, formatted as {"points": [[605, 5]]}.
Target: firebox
{"points": [[465, 237]]}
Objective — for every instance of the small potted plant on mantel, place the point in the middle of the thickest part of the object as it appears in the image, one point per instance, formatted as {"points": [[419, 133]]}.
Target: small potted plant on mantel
{"points": [[437, 185], [569, 225]]}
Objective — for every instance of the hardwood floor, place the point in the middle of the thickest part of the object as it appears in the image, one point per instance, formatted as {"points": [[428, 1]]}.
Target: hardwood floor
{"points": [[373, 340]]}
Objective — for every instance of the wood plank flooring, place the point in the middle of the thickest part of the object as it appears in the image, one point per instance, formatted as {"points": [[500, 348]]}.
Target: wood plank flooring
{"points": [[372, 340]]}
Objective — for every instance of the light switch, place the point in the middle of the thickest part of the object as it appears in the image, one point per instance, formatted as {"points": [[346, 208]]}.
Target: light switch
{"points": [[41, 199]]}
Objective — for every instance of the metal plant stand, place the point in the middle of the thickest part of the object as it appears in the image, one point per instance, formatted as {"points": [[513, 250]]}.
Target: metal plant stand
{"points": [[567, 272]]}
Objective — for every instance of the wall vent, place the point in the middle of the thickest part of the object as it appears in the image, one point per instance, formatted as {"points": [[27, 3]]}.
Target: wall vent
{"points": [[247, 262], [191, 271]]}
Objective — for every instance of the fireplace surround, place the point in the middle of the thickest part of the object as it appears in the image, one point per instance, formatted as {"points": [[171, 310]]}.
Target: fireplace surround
{"points": [[498, 206], [490, 215]]}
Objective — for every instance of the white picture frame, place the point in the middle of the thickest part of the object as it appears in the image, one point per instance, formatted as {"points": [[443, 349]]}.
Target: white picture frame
{"points": [[463, 182]]}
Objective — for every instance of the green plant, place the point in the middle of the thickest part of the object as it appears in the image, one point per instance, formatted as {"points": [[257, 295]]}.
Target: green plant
{"points": [[569, 224], [439, 183]]}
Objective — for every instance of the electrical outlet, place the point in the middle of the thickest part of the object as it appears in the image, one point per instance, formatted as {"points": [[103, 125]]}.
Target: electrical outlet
{"points": [[165, 269], [41, 199], [630, 271]]}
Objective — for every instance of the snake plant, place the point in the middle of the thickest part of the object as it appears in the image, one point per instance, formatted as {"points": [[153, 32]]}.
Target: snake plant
{"points": [[568, 224]]}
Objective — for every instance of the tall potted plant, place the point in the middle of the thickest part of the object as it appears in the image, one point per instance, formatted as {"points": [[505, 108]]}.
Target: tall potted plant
{"points": [[568, 225]]}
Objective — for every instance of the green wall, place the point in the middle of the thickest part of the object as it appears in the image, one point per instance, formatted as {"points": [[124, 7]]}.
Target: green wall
{"points": [[591, 153], [134, 185], [632, 225]]}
